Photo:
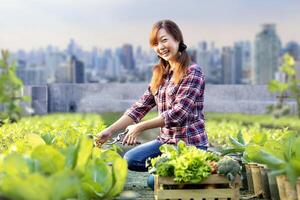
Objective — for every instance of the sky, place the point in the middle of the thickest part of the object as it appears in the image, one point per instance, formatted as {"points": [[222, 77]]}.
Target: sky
{"points": [[33, 24]]}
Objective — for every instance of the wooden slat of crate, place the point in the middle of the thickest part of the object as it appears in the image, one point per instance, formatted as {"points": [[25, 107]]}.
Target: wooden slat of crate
{"points": [[213, 179], [197, 194], [298, 188]]}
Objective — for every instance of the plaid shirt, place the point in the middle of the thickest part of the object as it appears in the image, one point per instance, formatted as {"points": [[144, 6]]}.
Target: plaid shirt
{"points": [[181, 107]]}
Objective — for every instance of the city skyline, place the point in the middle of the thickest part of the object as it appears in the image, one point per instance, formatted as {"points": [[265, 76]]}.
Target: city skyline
{"points": [[32, 24]]}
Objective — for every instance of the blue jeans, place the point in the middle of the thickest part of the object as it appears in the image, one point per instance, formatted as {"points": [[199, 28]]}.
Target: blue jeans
{"points": [[136, 157]]}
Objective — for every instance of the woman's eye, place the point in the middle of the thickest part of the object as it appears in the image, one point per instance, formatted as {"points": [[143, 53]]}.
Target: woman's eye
{"points": [[164, 40]]}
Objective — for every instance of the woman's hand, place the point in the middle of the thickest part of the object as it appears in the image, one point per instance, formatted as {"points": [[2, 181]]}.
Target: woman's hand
{"points": [[133, 131], [103, 136]]}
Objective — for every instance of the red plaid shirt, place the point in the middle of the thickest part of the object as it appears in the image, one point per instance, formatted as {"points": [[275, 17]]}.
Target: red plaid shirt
{"points": [[181, 107]]}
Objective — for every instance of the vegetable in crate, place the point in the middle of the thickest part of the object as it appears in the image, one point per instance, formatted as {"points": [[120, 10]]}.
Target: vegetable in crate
{"points": [[184, 163]]}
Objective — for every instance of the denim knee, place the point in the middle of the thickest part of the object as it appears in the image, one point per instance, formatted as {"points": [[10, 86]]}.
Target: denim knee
{"points": [[134, 165]]}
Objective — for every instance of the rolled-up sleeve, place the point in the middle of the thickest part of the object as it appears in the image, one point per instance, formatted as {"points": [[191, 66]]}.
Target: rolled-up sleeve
{"points": [[140, 108], [189, 90]]}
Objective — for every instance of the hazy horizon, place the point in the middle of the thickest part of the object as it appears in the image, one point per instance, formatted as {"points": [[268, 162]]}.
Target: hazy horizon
{"points": [[32, 24]]}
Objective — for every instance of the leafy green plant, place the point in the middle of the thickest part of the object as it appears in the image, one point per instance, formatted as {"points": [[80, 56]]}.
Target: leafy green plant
{"points": [[78, 171], [184, 163], [291, 85], [58, 130], [239, 145], [10, 90], [281, 156]]}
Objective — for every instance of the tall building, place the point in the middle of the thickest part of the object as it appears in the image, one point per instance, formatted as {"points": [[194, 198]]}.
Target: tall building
{"points": [[209, 58], [267, 52], [242, 62], [63, 73], [227, 61], [72, 48], [203, 59], [127, 57], [53, 60], [77, 70]]}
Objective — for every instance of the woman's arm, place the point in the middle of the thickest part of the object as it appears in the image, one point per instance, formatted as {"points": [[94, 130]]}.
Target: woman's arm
{"points": [[120, 124], [151, 123], [135, 130], [133, 115]]}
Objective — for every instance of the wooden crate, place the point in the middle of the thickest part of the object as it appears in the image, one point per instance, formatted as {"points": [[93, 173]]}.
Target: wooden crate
{"points": [[214, 187], [286, 190]]}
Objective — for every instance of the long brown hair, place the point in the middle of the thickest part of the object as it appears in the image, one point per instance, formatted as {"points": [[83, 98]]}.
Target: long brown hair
{"points": [[183, 59]]}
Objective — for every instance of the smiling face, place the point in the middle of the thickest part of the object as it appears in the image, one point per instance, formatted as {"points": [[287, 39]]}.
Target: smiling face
{"points": [[166, 46]]}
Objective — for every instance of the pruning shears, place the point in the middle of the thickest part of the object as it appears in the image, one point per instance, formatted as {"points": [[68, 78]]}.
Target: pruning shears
{"points": [[119, 138]]}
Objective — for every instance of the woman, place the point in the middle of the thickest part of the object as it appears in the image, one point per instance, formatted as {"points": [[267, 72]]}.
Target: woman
{"points": [[177, 89]]}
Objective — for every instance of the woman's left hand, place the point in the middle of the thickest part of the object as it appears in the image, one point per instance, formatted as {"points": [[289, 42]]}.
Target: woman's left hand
{"points": [[133, 131]]}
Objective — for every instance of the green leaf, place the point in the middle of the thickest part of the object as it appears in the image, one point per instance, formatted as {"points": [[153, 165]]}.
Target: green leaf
{"points": [[288, 69], [276, 86], [240, 138], [257, 154], [50, 159], [71, 154], [34, 140], [259, 138], [65, 185], [295, 147], [235, 143], [169, 150], [84, 152], [293, 171], [181, 146], [15, 164], [48, 138], [288, 59], [97, 179], [31, 187], [119, 169], [33, 165], [231, 150]]}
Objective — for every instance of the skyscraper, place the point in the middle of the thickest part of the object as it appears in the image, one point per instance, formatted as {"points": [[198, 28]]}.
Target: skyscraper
{"points": [[203, 59], [77, 70], [267, 51], [227, 60], [242, 62], [127, 57]]}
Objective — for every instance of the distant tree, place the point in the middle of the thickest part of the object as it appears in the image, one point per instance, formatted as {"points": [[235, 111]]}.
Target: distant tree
{"points": [[290, 85], [10, 90]]}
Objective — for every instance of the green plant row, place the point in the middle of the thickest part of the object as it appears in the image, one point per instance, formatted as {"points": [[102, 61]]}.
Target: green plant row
{"points": [[57, 126], [64, 129], [53, 157], [219, 131], [48, 173], [267, 121]]}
